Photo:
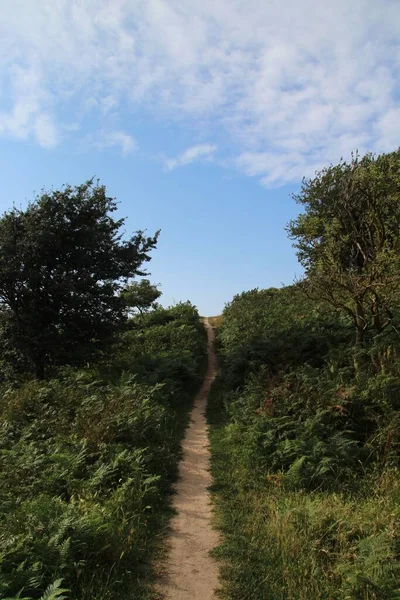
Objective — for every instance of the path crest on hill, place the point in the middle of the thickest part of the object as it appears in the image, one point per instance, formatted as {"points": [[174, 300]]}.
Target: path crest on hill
{"points": [[190, 573]]}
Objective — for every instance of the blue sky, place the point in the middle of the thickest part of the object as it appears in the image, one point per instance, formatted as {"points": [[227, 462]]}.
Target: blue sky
{"points": [[200, 118]]}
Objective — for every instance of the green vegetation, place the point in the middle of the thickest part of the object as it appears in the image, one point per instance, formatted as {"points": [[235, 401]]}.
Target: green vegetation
{"points": [[348, 238], [140, 296], [94, 403], [96, 381], [62, 263], [87, 459], [306, 416]]}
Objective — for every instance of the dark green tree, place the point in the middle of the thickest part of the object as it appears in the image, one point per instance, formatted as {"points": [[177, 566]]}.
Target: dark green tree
{"points": [[63, 261], [140, 295], [348, 237]]}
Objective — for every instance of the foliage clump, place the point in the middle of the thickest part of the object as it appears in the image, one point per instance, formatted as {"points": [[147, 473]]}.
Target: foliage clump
{"points": [[348, 238], [306, 414], [63, 261]]}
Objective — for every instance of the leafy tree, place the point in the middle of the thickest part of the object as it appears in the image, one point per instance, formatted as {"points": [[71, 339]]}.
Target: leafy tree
{"points": [[62, 262], [140, 295], [348, 237]]}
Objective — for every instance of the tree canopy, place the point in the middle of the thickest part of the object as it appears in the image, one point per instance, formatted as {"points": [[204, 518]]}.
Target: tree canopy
{"points": [[63, 261], [140, 295], [348, 237]]}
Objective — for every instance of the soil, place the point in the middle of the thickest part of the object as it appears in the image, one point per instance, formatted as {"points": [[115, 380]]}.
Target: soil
{"points": [[189, 572]]}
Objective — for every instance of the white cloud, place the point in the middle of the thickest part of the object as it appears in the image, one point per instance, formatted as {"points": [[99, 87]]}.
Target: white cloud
{"points": [[27, 116], [107, 139], [195, 153], [279, 91], [45, 131], [388, 129]]}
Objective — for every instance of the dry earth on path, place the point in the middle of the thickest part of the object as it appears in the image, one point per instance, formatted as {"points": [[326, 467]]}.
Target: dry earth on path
{"points": [[190, 573]]}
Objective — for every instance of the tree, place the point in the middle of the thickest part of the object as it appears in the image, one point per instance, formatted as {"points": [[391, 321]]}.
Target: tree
{"points": [[140, 295], [63, 261], [348, 237]]}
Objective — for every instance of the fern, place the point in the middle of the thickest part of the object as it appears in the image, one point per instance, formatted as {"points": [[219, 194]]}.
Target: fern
{"points": [[85, 455], [54, 591]]}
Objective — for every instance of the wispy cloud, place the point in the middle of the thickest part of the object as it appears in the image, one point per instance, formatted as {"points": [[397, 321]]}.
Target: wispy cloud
{"points": [[279, 91], [106, 139], [195, 153], [28, 115]]}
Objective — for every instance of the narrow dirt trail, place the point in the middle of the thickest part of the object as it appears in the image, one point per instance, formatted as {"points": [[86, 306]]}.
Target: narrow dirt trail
{"points": [[189, 572]]}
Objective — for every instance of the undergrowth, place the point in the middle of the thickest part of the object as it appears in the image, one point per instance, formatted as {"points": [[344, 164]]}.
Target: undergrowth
{"points": [[86, 463], [305, 447]]}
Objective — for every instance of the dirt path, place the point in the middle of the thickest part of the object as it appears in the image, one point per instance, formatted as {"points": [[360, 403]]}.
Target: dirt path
{"points": [[190, 572]]}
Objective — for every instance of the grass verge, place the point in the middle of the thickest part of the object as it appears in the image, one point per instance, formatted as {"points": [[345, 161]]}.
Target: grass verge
{"points": [[279, 544]]}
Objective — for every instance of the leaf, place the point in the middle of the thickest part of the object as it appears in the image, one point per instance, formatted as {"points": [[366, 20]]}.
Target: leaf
{"points": [[54, 591]]}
